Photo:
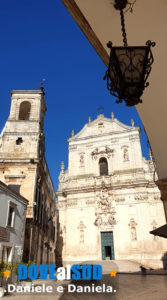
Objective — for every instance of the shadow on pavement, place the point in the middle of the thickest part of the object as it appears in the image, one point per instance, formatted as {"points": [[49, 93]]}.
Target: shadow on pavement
{"points": [[107, 280]]}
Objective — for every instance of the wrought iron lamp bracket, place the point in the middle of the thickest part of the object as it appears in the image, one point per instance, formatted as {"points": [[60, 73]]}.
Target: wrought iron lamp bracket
{"points": [[116, 86]]}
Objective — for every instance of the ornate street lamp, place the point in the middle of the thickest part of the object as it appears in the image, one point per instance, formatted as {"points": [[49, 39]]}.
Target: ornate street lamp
{"points": [[129, 66]]}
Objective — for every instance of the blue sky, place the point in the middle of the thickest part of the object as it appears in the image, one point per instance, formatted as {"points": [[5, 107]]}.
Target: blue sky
{"points": [[39, 39]]}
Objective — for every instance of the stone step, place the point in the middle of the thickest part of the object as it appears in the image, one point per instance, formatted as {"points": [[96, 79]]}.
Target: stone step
{"points": [[123, 266]]}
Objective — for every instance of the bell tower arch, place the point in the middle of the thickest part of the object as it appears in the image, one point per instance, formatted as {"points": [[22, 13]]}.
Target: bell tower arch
{"points": [[27, 106], [25, 110]]}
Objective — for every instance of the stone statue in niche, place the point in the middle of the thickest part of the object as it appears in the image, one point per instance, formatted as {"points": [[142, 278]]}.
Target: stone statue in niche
{"points": [[81, 236], [133, 234], [125, 154], [154, 224], [81, 159], [133, 225], [81, 228]]}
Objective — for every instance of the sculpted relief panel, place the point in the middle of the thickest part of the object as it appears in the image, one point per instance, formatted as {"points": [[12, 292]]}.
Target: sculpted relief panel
{"points": [[107, 151], [141, 197], [105, 210]]}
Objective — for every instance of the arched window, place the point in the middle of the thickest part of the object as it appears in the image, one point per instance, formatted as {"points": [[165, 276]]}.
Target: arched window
{"points": [[103, 166], [25, 108]]}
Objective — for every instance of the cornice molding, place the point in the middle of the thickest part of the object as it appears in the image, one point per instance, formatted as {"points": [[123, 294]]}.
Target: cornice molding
{"points": [[93, 188]]}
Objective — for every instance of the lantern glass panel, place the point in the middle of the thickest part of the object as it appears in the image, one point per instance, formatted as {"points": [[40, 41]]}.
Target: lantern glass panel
{"points": [[114, 76], [131, 62]]}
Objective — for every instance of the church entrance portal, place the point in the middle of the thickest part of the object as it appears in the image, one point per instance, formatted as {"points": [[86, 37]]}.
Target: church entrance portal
{"points": [[107, 245]]}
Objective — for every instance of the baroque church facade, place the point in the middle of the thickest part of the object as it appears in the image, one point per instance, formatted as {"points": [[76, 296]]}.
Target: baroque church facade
{"points": [[23, 167], [107, 199]]}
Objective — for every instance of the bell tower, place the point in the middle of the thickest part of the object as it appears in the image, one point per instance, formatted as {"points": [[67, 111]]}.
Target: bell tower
{"points": [[22, 143], [23, 168]]}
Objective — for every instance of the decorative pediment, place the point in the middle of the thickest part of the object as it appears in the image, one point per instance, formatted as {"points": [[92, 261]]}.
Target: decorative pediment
{"points": [[104, 126]]}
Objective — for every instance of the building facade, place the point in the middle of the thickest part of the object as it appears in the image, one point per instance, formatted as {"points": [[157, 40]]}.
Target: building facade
{"points": [[12, 224], [23, 166], [100, 22], [108, 201]]}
